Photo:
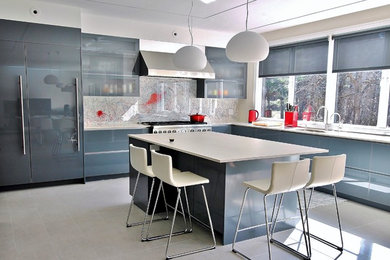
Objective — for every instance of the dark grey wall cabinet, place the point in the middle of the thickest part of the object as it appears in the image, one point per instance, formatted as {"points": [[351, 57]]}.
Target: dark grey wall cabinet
{"points": [[40, 122], [230, 77], [107, 151]]}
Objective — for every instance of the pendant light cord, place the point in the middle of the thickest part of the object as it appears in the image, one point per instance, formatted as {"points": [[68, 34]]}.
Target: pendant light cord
{"points": [[190, 23], [247, 14]]}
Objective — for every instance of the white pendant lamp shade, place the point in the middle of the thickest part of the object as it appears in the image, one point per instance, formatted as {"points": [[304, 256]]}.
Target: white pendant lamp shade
{"points": [[247, 46], [190, 58]]}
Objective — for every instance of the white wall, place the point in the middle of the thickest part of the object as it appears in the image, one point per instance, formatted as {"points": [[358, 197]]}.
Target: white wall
{"points": [[54, 14], [96, 24]]}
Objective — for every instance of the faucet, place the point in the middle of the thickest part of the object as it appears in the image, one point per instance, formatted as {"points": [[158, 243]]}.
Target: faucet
{"points": [[325, 116], [336, 114]]}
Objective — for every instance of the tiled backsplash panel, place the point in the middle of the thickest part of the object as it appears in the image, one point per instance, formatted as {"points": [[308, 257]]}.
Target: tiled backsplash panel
{"points": [[161, 99]]}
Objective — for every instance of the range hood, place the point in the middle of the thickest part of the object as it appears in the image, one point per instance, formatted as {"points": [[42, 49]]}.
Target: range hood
{"points": [[160, 64]]}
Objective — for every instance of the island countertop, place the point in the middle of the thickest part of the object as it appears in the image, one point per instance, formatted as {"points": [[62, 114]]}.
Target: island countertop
{"points": [[224, 148]]}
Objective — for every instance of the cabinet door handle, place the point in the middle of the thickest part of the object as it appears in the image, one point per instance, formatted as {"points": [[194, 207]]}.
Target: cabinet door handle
{"points": [[77, 115], [22, 113]]}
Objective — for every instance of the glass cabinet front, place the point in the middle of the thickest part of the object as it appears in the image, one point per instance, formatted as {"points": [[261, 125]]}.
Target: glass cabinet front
{"points": [[109, 66]]}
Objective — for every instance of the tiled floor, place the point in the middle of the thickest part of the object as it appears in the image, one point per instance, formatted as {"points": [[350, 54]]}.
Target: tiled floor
{"points": [[87, 221]]}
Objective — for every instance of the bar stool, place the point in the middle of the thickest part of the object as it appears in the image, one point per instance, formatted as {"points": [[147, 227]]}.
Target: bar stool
{"points": [[138, 160], [162, 168], [285, 177], [326, 170]]}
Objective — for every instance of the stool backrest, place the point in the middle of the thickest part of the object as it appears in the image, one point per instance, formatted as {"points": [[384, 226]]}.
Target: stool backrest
{"points": [[138, 158], [162, 167], [327, 170], [289, 176]]}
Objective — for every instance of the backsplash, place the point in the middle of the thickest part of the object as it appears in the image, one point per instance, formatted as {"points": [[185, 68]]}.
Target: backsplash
{"points": [[161, 99]]}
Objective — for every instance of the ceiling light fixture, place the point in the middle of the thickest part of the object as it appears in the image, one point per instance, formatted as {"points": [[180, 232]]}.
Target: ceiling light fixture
{"points": [[207, 1], [190, 57], [247, 46]]}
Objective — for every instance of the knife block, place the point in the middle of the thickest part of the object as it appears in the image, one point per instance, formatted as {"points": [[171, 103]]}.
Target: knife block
{"points": [[291, 118]]}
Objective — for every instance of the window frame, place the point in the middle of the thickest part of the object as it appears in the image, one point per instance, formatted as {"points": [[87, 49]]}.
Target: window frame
{"points": [[331, 95]]}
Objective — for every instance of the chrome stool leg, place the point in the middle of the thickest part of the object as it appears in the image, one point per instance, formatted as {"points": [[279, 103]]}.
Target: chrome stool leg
{"points": [[147, 210], [147, 238], [132, 201], [326, 242], [287, 248], [173, 223]]}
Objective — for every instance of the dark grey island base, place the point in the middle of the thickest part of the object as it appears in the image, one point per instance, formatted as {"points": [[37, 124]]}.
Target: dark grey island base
{"points": [[224, 192]]}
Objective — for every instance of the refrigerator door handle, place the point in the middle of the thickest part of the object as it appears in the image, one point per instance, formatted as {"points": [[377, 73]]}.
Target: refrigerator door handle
{"points": [[77, 115], [22, 114]]}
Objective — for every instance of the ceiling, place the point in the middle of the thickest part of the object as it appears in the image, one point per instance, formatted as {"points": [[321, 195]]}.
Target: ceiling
{"points": [[225, 15]]}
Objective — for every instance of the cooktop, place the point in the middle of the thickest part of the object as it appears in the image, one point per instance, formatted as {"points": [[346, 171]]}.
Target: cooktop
{"points": [[173, 123]]}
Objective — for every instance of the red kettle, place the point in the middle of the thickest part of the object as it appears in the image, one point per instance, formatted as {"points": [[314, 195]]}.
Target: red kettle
{"points": [[253, 115]]}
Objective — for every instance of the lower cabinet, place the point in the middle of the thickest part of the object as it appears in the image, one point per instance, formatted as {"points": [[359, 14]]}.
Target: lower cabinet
{"points": [[107, 151], [226, 129], [367, 173]]}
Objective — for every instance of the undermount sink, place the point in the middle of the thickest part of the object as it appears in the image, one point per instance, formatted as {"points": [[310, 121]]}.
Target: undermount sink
{"points": [[317, 130]]}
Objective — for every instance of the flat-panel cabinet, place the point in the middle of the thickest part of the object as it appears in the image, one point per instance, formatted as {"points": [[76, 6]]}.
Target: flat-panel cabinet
{"points": [[40, 109], [230, 77], [53, 77], [107, 151], [14, 131], [109, 66]]}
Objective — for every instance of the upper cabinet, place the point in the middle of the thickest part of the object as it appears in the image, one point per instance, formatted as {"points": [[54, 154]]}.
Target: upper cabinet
{"points": [[230, 77], [109, 65]]}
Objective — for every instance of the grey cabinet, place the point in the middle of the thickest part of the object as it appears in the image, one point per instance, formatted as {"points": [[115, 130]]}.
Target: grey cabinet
{"points": [[226, 129], [230, 77], [367, 174], [107, 151], [44, 142], [109, 66], [14, 131]]}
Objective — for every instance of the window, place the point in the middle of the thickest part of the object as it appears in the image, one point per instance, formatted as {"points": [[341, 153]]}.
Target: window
{"points": [[357, 98], [275, 96], [388, 114], [309, 94], [295, 74]]}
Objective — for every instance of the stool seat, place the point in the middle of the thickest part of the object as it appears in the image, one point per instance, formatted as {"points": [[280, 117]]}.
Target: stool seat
{"points": [[261, 185], [148, 171], [187, 178]]}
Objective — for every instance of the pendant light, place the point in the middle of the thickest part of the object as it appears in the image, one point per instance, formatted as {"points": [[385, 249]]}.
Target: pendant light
{"points": [[247, 46], [190, 57]]}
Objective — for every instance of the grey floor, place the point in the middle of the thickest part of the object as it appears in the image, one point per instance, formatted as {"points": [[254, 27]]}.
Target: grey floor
{"points": [[87, 221]]}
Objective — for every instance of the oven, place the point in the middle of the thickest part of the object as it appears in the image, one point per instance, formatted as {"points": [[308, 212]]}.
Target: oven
{"points": [[177, 127]]}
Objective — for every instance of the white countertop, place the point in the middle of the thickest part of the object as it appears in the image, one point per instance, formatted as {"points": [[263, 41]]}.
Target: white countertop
{"points": [[223, 148], [338, 134], [116, 127]]}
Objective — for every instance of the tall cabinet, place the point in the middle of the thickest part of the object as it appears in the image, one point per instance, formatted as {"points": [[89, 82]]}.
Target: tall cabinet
{"points": [[40, 103]]}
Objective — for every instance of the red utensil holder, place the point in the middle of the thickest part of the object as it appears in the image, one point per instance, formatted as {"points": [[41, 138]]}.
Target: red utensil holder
{"points": [[291, 118]]}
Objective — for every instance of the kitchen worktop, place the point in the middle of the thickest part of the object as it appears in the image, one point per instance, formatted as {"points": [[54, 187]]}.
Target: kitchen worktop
{"points": [[337, 134], [224, 148]]}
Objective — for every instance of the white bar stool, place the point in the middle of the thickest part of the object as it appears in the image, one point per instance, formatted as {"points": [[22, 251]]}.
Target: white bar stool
{"points": [[162, 168], [139, 161], [326, 170], [285, 177]]}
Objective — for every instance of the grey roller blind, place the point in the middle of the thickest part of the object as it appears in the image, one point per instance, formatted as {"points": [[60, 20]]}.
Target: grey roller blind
{"points": [[362, 51], [296, 59]]}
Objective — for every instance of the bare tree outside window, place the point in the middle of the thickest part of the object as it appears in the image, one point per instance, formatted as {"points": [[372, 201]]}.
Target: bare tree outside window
{"points": [[358, 97], [309, 94], [275, 96]]}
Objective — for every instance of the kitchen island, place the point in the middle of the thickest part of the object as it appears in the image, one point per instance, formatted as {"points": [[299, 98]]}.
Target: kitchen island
{"points": [[226, 160]]}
